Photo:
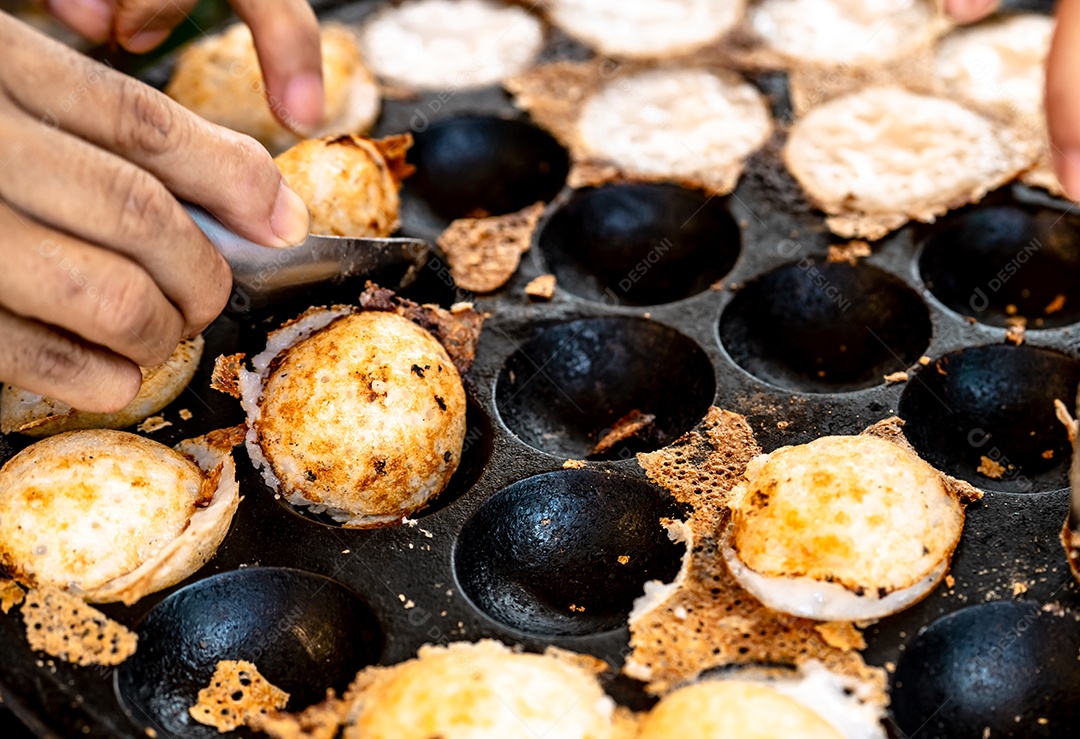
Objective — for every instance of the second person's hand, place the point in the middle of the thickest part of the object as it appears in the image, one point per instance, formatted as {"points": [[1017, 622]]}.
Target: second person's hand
{"points": [[286, 35]]}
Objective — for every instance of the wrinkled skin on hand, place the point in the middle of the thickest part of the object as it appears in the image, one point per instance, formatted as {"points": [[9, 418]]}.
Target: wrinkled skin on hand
{"points": [[102, 270]]}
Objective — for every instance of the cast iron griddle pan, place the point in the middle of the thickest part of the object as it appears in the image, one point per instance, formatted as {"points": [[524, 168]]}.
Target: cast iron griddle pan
{"points": [[634, 324]]}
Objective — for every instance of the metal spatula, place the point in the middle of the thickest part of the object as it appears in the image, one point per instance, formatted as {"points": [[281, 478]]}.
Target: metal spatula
{"points": [[263, 275]]}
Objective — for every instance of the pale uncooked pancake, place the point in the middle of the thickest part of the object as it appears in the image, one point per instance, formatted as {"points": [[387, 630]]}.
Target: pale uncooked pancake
{"points": [[842, 31], [220, 79], [676, 123], [450, 44], [893, 155], [998, 64], [646, 28]]}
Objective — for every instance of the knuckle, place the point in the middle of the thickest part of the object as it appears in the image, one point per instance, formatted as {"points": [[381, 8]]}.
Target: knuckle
{"points": [[255, 177], [55, 362], [146, 205], [147, 123], [128, 309]]}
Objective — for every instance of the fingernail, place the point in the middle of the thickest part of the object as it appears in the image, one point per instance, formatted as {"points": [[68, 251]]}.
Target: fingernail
{"points": [[966, 11], [304, 101], [1067, 167], [144, 41], [91, 18], [290, 219]]}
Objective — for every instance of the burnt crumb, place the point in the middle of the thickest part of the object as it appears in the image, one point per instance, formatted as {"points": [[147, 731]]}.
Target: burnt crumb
{"points": [[380, 466], [457, 329], [418, 371], [309, 475], [634, 425], [446, 456], [441, 402]]}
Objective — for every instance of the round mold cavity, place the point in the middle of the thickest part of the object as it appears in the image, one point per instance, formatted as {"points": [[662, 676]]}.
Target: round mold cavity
{"points": [[475, 453], [640, 244], [304, 632], [1005, 669], [997, 263], [825, 327], [476, 166], [567, 552], [995, 402], [570, 386]]}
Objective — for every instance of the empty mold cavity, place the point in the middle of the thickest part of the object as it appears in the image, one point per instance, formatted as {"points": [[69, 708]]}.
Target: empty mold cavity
{"points": [[825, 327], [477, 166], [997, 263], [640, 244], [1005, 669], [475, 453], [304, 632], [567, 552], [569, 387], [986, 415]]}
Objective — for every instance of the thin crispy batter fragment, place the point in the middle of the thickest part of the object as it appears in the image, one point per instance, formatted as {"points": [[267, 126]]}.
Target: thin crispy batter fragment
{"points": [[484, 253], [226, 375], [236, 694], [63, 626]]}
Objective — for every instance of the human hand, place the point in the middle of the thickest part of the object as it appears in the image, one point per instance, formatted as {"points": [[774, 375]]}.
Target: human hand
{"points": [[286, 35], [1062, 94], [102, 268]]}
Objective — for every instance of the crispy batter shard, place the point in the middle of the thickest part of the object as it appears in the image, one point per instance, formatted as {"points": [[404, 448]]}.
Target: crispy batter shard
{"points": [[318, 721], [634, 423], [236, 694], [457, 329], [11, 595], [689, 125], [484, 253], [706, 619], [226, 375], [877, 158], [63, 626], [541, 288]]}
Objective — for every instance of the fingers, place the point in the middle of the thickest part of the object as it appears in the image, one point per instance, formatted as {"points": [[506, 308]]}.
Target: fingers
{"points": [[230, 174], [141, 25], [110, 201], [969, 11], [286, 36], [1063, 98], [103, 297], [90, 18], [44, 361]]}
